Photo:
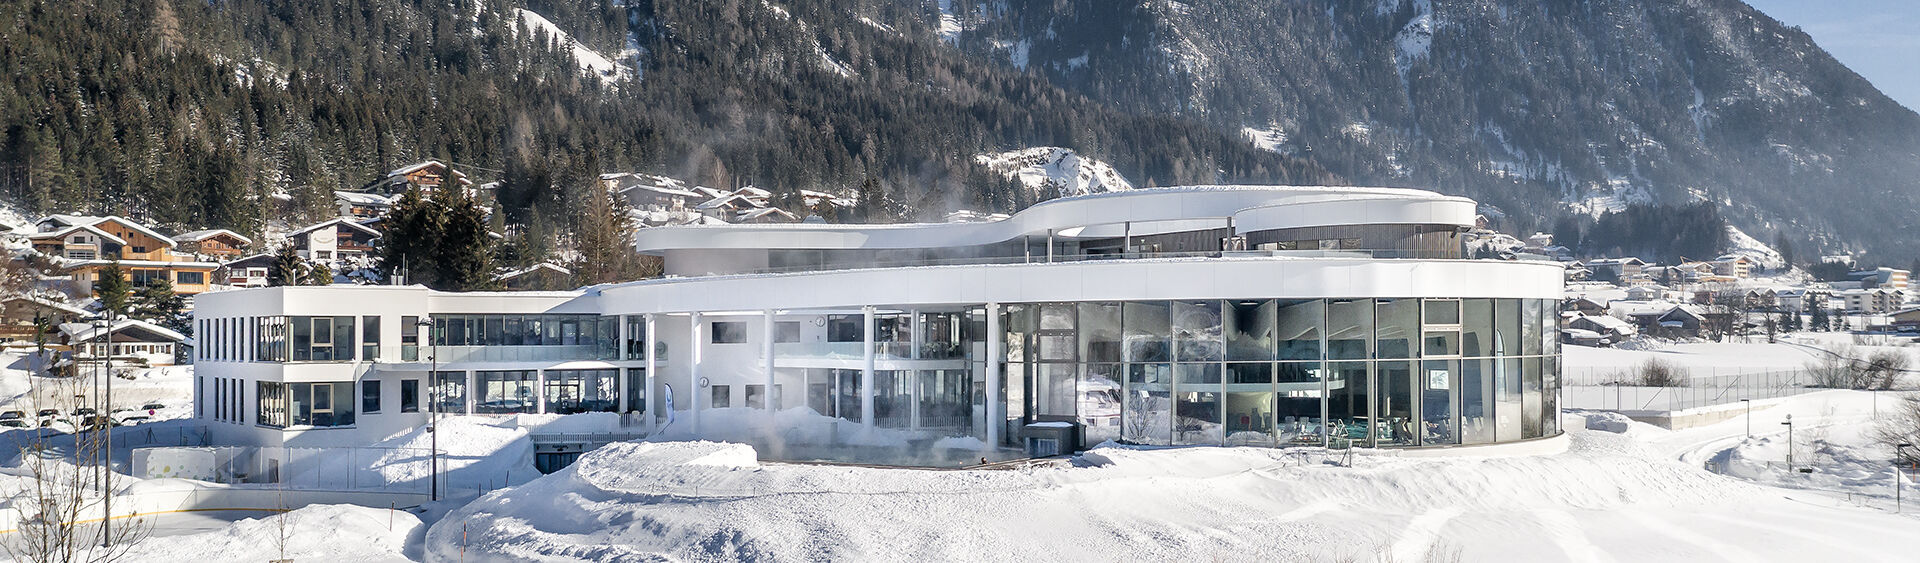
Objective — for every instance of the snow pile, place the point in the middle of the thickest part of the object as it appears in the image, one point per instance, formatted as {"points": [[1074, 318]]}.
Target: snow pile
{"points": [[581, 423], [1608, 495], [1056, 172], [600, 65], [797, 426], [476, 452], [321, 532]]}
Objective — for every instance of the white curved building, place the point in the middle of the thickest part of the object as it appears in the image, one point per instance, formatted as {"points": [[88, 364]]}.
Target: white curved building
{"points": [[1199, 315]]}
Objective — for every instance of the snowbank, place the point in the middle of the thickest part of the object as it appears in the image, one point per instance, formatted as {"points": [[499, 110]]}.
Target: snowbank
{"points": [[314, 533], [478, 453], [1608, 496]]}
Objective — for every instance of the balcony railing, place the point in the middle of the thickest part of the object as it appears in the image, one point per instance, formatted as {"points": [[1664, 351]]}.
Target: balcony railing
{"points": [[1059, 258], [451, 354]]}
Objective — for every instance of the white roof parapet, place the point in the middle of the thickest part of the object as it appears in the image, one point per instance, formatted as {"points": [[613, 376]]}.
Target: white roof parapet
{"points": [[1147, 211]]}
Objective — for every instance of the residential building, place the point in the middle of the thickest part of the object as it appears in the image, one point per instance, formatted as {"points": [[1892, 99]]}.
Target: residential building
{"points": [[335, 241], [1612, 329], [1800, 300], [1883, 277], [1616, 268], [1732, 266], [362, 205], [82, 245], [250, 271], [213, 244], [18, 314], [427, 175], [127, 340], [1067, 324], [1872, 301]]}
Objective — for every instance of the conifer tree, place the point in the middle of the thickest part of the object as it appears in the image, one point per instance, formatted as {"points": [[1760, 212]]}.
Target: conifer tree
{"points": [[604, 240], [406, 250], [113, 289], [157, 303], [316, 274], [287, 268], [462, 245]]}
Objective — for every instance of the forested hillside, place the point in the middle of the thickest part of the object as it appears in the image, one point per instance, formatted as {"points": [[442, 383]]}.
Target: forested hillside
{"points": [[201, 113], [1535, 107]]}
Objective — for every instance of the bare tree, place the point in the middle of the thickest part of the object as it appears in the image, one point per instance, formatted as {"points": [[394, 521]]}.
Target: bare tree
{"points": [[1658, 373], [59, 506], [1901, 425]]}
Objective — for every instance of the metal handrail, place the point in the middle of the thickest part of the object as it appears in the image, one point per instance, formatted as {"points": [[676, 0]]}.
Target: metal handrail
{"points": [[1377, 254]]}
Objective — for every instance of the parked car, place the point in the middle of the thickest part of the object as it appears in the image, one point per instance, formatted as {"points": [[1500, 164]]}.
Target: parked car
{"points": [[95, 422], [13, 415], [47, 416], [152, 407], [125, 417]]}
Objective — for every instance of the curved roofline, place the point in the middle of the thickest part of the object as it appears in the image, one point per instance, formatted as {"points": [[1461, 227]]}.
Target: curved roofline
{"points": [[1177, 207]]}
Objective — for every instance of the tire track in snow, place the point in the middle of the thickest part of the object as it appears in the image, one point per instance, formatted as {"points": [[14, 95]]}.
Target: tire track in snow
{"points": [[1413, 543], [1565, 532]]}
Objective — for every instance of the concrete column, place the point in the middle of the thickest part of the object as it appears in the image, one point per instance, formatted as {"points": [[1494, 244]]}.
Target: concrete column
{"points": [[995, 353], [620, 387], [913, 377], [693, 371], [473, 390], [653, 401], [766, 395], [866, 373], [540, 391], [1049, 246]]}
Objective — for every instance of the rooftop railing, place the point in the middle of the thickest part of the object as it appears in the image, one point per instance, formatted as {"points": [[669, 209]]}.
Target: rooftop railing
{"points": [[1391, 254]]}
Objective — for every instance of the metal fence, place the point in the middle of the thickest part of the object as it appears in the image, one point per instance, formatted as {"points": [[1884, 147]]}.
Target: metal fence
{"points": [[1620, 390], [394, 470]]}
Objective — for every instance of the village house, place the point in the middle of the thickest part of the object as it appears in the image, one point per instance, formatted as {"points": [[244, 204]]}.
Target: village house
{"points": [[128, 340], [83, 245], [250, 271], [1616, 268], [334, 241], [214, 244], [18, 313], [1736, 267], [427, 175], [1800, 300], [1882, 278], [1612, 329], [1585, 306], [1872, 301], [362, 205]]}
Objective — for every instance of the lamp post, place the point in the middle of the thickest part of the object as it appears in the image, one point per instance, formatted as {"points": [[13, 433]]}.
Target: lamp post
{"points": [[433, 409], [106, 430], [1899, 451], [1789, 425], [1749, 404]]}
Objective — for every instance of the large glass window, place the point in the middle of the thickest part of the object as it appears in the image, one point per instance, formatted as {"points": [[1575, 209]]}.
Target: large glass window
{"points": [[1530, 402], [637, 390], [1297, 403], [846, 328], [1530, 327], [1507, 399], [893, 398], [450, 392], [636, 348], [409, 338], [1393, 415], [1197, 410], [503, 392], [409, 395], [1348, 399], [321, 404], [1196, 331], [1249, 326], [729, 332], [370, 396], [1349, 324], [946, 399], [1101, 332], [322, 339], [1476, 336], [1507, 328], [1396, 327], [1249, 404], [570, 391], [1099, 398], [1146, 414], [1476, 401], [1299, 329], [272, 405], [1438, 403], [1148, 325]]}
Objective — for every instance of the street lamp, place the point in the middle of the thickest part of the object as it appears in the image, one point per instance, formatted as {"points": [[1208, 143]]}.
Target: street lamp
{"points": [[1899, 452], [106, 430], [1789, 425], [433, 408]]}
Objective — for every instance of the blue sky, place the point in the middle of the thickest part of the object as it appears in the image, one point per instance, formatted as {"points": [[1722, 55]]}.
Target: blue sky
{"points": [[1880, 39]]}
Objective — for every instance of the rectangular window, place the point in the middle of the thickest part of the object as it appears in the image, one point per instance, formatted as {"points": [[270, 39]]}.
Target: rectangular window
{"points": [[369, 338], [190, 278], [636, 337], [272, 408], [585, 390], [450, 391], [722, 397], [729, 332], [409, 338], [786, 331], [846, 328], [409, 395], [370, 396], [505, 392]]}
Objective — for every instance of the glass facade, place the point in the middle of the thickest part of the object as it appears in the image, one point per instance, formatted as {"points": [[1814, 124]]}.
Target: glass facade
{"points": [[1360, 372]]}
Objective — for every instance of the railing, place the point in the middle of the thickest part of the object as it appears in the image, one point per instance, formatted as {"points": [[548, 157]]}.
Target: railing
{"points": [[1042, 258], [1620, 391], [322, 469], [450, 354]]}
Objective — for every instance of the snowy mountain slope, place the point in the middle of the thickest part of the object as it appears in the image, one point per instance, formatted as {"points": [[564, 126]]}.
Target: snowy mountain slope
{"points": [[610, 69], [1056, 172], [1535, 108]]}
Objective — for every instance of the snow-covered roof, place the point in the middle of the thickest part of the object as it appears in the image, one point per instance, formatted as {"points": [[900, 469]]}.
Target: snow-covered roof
{"points": [[140, 263], [135, 225], [348, 221], [210, 233], [363, 198], [1607, 322], [68, 222], [88, 331], [63, 232], [246, 259], [752, 214], [723, 201], [547, 266], [62, 307]]}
